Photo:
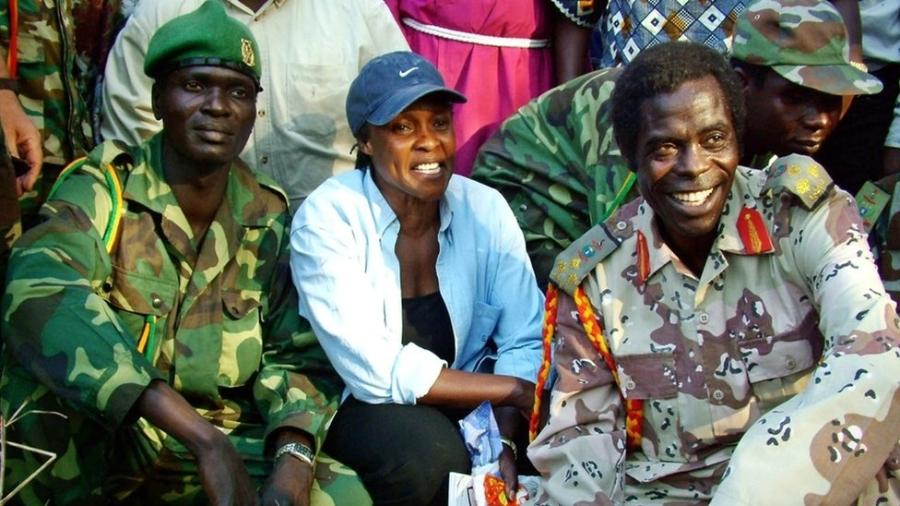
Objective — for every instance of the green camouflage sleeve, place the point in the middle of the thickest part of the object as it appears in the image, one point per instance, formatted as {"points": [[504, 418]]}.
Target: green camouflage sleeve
{"points": [[56, 323], [838, 432], [296, 386], [557, 164]]}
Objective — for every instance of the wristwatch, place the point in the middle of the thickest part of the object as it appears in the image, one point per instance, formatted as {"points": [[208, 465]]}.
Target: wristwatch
{"points": [[298, 451]]}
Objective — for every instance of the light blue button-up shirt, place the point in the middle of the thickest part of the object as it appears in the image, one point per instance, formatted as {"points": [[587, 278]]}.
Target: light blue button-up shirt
{"points": [[348, 277]]}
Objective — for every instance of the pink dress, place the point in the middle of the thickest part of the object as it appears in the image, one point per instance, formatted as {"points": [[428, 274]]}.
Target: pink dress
{"points": [[497, 79]]}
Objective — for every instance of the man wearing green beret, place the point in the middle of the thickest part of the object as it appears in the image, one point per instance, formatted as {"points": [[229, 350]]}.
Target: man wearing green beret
{"points": [[152, 341]]}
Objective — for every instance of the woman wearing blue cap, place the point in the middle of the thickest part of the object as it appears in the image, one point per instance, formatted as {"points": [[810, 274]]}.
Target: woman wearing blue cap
{"points": [[417, 283]]}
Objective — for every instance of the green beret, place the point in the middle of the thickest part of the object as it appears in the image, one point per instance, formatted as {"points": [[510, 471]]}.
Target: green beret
{"points": [[206, 36]]}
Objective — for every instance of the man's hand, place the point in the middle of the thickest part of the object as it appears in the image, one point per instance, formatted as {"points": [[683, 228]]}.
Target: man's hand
{"points": [[23, 140], [222, 472], [224, 477], [289, 484]]}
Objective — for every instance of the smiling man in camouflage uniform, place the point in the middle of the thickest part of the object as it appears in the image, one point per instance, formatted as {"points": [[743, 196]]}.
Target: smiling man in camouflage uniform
{"points": [[556, 161], [724, 339], [153, 308]]}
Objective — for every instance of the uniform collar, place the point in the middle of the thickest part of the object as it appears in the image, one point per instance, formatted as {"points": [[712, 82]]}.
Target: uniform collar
{"points": [[651, 253]]}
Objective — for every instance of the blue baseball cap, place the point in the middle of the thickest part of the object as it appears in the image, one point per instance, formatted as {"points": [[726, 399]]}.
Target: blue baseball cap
{"points": [[389, 84]]}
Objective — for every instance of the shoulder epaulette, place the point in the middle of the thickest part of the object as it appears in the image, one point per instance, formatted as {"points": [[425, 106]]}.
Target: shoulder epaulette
{"points": [[580, 258], [802, 176], [107, 159]]}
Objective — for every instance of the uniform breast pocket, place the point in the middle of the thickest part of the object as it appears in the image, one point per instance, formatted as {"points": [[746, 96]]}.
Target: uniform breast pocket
{"points": [[779, 368], [481, 351], [316, 100], [140, 300], [241, 336]]}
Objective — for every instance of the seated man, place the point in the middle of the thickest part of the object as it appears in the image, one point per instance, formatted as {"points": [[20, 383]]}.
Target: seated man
{"points": [[153, 308], [725, 338], [557, 164]]}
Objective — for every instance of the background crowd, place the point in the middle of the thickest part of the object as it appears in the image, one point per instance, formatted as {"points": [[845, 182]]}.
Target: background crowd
{"points": [[423, 290]]}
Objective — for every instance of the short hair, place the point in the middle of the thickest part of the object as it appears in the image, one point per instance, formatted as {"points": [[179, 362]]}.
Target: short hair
{"points": [[662, 69], [756, 74]]}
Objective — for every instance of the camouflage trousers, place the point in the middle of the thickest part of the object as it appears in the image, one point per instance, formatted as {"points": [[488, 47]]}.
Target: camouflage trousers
{"points": [[137, 464]]}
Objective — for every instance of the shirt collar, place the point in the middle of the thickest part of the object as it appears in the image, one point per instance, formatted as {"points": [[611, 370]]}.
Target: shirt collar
{"points": [[384, 216]]}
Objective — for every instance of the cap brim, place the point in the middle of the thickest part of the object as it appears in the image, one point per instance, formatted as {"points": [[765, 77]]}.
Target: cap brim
{"points": [[832, 79], [396, 103]]}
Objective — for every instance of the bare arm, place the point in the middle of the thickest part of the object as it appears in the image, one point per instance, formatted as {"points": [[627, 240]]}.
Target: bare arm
{"points": [[22, 138], [849, 10], [291, 479], [462, 389], [570, 48], [224, 476]]}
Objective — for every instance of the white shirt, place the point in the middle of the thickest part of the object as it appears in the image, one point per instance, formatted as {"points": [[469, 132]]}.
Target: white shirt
{"points": [[348, 277], [311, 52]]}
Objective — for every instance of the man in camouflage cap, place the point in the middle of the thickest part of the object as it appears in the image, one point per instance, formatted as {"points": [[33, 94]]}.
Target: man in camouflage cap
{"points": [[559, 167], [725, 338], [153, 308]]}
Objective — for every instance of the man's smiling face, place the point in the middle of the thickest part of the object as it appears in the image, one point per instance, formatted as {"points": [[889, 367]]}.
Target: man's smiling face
{"points": [[686, 156]]}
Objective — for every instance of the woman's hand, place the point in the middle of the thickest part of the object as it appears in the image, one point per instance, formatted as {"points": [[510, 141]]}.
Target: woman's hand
{"points": [[511, 426], [509, 472]]}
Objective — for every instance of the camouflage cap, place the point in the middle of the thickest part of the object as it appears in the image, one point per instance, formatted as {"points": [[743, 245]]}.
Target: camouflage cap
{"points": [[804, 41], [206, 36]]}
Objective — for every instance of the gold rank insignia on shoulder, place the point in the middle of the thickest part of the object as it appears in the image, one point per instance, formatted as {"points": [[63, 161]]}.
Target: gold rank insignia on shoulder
{"points": [[802, 176], [247, 55], [577, 261]]}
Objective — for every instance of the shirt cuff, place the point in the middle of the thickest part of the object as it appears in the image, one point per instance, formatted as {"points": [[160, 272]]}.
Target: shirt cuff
{"points": [[415, 371]]}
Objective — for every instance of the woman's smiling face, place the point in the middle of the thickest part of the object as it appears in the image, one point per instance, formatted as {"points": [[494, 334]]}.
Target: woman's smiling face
{"points": [[412, 155]]}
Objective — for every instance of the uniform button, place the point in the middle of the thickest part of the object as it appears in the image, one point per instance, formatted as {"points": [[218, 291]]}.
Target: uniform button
{"points": [[621, 225], [523, 207], [264, 159], [790, 364], [629, 385], [704, 318], [107, 286], [718, 395], [156, 302], [261, 113]]}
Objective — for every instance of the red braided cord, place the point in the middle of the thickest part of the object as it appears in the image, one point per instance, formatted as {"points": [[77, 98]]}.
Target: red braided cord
{"points": [[551, 305], [12, 57], [634, 408]]}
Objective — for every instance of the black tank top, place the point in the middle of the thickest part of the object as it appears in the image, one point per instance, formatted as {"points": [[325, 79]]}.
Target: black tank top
{"points": [[426, 323]]}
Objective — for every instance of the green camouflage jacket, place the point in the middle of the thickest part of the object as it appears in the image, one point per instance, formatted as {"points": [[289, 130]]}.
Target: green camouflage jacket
{"points": [[770, 378], [228, 335], [557, 164], [62, 47]]}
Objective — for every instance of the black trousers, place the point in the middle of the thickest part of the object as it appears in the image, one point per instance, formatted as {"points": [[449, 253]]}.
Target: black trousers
{"points": [[403, 454]]}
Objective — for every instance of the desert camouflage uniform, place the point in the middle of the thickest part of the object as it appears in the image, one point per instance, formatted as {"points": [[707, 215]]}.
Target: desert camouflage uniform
{"points": [[771, 379], [229, 336], [557, 164]]}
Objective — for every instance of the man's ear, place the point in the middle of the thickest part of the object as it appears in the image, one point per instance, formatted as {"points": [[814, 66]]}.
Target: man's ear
{"points": [[744, 77], [154, 98]]}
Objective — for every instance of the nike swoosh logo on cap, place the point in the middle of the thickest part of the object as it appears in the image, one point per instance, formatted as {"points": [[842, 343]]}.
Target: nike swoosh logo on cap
{"points": [[404, 73]]}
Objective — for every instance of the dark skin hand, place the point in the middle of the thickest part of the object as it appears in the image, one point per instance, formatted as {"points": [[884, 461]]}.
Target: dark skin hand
{"points": [[291, 479], [224, 477], [511, 397]]}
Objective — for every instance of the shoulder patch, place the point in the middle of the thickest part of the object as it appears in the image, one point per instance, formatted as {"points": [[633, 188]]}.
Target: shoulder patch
{"points": [[802, 176], [580, 258]]}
